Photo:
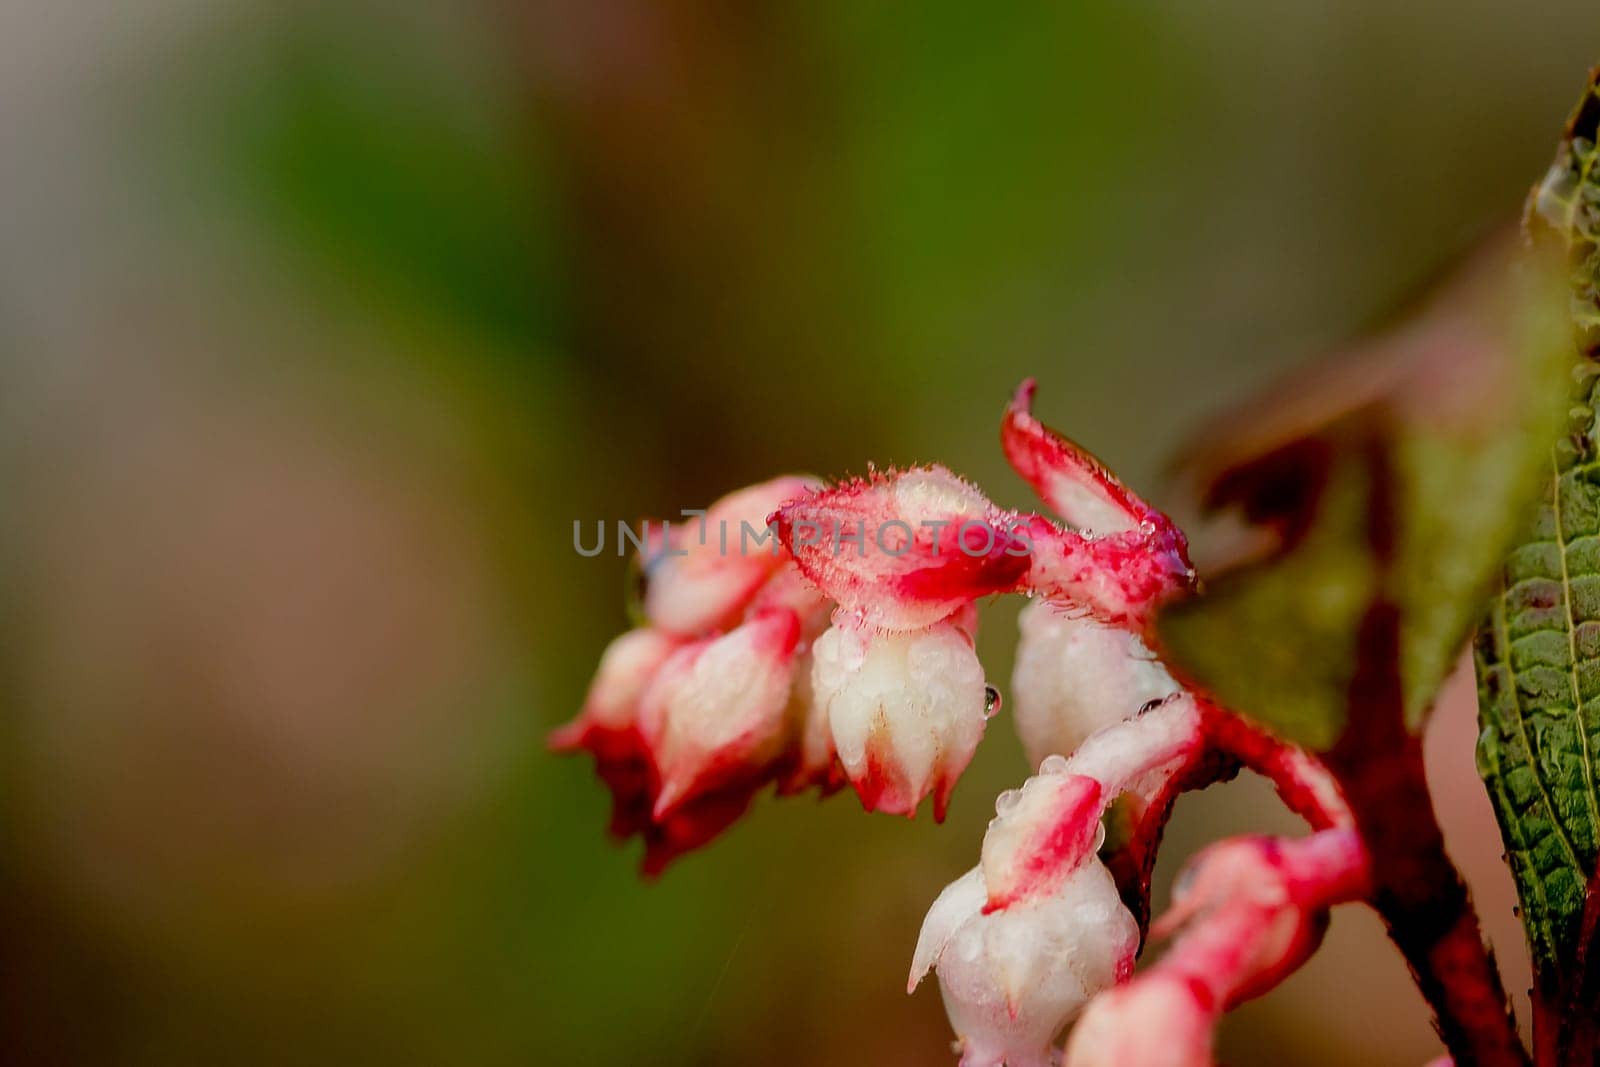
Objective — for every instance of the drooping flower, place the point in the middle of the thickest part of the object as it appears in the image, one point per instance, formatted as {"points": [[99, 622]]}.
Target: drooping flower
{"points": [[1163, 1022], [1074, 675], [1011, 979], [684, 733], [905, 554], [1025, 939], [689, 717], [1253, 909], [740, 681], [906, 711], [714, 716], [607, 727]]}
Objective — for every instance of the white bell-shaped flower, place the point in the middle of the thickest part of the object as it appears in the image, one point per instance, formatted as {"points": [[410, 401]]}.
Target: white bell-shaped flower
{"points": [[1014, 977], [716, 712], [906, 711], [1074, 675]]}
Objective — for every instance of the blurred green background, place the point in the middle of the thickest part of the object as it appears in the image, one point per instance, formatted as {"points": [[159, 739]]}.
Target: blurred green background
{"points": [[320, 323]]}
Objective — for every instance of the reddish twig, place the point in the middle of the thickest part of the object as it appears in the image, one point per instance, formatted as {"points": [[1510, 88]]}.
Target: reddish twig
{"points": [[1417, 891]]}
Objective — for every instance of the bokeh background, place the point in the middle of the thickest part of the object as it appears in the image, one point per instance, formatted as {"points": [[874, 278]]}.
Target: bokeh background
{"points": [[321, 322]]}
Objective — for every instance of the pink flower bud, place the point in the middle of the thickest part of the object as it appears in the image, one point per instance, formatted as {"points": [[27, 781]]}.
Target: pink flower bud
{"points": [[904, 550], [1074, 675], [1024, 940], [1159, 1020], [684, 732], [607, 726], [1045, 830], [1252, 910], [726, 556], [626, 668], [1139, 756], [1255, 907], [906, 711], [1041, 833], [715, 714], [1012, 978]]}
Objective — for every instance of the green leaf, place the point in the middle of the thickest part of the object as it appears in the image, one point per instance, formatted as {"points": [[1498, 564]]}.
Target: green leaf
{"points": [[1538, 655], [1280, 643], [1388, 484]]}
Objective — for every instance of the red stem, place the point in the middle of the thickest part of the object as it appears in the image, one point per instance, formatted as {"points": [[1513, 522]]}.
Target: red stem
{"points": [[1566, 999], [1416, 889], [1303, 784]]}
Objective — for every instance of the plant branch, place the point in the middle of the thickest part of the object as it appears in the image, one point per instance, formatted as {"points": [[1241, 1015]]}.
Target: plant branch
{"points": [[1416, 889]]}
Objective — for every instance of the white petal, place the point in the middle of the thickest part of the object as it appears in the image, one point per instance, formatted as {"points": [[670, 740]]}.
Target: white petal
{"points": [[1151, 1023], [1132, 754], [1040, 835], [961, 900], [1013, 978], [626, 667], [717, 709], [906, 710], [811, 718], [1074, 676]]}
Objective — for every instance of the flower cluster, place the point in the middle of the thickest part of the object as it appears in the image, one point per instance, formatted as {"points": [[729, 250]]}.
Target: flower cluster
{"points": [[690, 715], [846, 655]]}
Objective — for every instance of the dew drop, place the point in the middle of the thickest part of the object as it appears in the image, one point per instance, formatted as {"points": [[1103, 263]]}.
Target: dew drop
{"points": [[991, 702], [1053, 764], [1151, 705], [1006, 801]]}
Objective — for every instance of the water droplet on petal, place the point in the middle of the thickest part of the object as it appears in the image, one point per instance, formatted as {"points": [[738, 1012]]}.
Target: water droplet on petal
{"points": [[991, 702], [1053, 764], [1006, 801]]}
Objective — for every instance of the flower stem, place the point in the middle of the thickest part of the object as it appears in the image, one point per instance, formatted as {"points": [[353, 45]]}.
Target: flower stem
{"points": [[1416, 889]]}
